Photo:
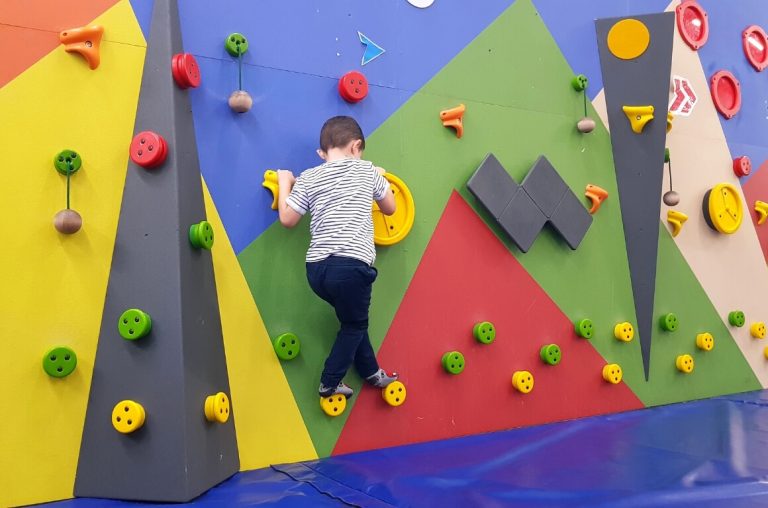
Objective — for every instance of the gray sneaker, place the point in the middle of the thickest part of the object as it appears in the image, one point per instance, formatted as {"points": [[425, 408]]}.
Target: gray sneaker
{"points": [[381, 379], [341, 389]]}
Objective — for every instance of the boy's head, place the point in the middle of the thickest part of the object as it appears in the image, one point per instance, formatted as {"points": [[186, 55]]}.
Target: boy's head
{"points": [[341, 132]]}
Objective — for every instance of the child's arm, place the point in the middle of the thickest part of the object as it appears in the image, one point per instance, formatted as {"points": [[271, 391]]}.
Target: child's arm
{"points": [[386, 204], [288, 216]]}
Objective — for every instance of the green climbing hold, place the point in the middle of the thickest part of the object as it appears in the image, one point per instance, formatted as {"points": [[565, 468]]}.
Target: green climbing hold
{"points": [[287, 346], [484, 332], [551, 354], [585, 329], [737, 318], [134, 324], [236, 44], [453, 362], [67, 159], [580, 82], [669, 322], [201, 235], [59, 362]]}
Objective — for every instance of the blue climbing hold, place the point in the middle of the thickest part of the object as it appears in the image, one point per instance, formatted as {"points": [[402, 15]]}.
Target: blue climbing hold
{"points": [[372, 50]]}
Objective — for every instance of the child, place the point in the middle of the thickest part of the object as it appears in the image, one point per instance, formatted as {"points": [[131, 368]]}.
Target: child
{"points": [[338, 194]]}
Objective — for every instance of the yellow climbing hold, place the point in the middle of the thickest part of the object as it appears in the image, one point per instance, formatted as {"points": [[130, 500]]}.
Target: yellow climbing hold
{"points": [[628, 39], [676, 220], [638, 116]]}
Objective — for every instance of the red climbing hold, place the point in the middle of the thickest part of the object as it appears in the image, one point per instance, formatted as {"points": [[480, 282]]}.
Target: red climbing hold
{"points": [[148, 149], [185, 71], [353, 86], [756, 47], [692, 23], [742, 166], [726, 93]]}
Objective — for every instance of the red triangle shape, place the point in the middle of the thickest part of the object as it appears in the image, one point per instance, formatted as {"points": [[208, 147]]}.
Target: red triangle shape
{"points": [[465, 276]]}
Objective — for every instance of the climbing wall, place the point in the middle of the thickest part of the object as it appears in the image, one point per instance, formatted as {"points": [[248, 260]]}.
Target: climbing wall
{"points": [[504, 235]]}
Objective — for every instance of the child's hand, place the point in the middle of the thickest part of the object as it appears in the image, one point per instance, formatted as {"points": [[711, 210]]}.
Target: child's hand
{"points": [[285, 177], [381, 171]]}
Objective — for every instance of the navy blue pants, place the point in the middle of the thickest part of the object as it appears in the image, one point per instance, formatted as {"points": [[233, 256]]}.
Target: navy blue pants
{"points": [[346, 284]]}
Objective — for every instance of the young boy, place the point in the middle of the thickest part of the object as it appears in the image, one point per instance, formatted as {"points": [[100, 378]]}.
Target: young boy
{"points": [[338, 195]]}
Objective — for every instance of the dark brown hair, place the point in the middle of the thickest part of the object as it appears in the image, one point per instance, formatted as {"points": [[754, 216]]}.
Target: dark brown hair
{"points": [[338, 131]]}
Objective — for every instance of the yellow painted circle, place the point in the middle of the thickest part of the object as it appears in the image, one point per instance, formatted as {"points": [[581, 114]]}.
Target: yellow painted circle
{"points": [[628, 39], [725, 208], [522, 380], [333, 405], [128, 416], [394, 393], [612, 373], [388, 230], [217, 408]]}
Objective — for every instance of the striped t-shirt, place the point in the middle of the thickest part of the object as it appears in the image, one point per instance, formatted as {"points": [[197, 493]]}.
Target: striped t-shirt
{"points": [[338, 196]]}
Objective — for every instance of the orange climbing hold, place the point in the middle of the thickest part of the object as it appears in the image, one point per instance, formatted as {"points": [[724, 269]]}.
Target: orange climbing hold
{"points": [[85, 41], [597, 195], [454, 117]]}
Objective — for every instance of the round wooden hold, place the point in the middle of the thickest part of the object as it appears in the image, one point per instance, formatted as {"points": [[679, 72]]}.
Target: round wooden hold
{"points": [[671, 198], [67, 221], [240, 101], [586, 125]]}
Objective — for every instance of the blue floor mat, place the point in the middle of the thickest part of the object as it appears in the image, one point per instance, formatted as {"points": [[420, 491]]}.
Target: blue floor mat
{"points": [[708, 453]]}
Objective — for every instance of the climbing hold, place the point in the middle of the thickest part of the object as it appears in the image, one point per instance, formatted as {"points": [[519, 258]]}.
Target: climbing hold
{"points": [[550, 354], [372, 50], [128, 416], [201, 235], [270, 182], [765, 353], [134, 324], [185, 70], [584, 328], [353, 86], [670, 117], [638, 116], [59, 362], [148, 149], [726, 93], [676, 220], [736, 318], [755, 42], [705, 341], [287, 346], [216, 408], [333, 405], [484, 332], [612, 373], [671, 198], [684, 363], [757, 330], [421, 4], [580, 82], [390, 229], [522, 380], [453, 362], [761, 207], [240, 101], [67, 221], [628, 39], [669, 322], [84, 41], [722, 208], [596, 195], [454, 117], [67, 161], [742, 166], [236, 44], [692, 23], [586, 125], [394, 393], [624, 332], [667, 157]]}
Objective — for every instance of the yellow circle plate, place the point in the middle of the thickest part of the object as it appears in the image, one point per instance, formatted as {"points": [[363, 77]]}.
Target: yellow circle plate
{"points": [[628, 39], [725, 208], [388, 230]]}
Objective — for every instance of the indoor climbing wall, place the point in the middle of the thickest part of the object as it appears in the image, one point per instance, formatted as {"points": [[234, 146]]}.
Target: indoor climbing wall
{"points": [[582, 198]]}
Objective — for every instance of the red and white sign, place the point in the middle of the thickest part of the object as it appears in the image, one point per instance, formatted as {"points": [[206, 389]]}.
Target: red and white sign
{"points": [[683, 97]]}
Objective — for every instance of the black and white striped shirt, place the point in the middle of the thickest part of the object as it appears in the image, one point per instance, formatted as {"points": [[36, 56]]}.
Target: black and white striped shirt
{"points": [[338, 195]]}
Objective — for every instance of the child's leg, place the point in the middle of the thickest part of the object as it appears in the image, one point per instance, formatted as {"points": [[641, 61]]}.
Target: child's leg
{"points": [[365, 359]]}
